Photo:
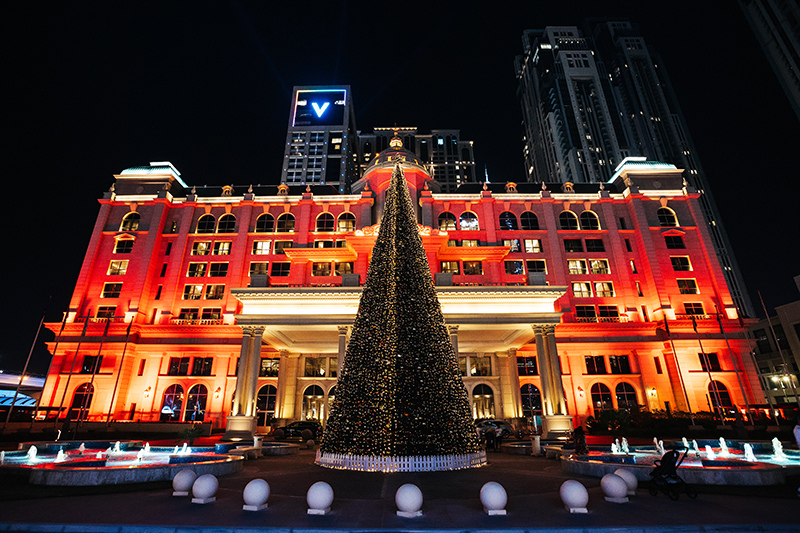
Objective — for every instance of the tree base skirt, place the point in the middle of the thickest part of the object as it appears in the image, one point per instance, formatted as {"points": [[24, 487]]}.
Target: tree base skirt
{"points": [[422, 463]]}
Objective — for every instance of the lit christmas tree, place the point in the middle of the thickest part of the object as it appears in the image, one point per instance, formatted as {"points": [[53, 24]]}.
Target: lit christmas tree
{"points": [[400, 393]]}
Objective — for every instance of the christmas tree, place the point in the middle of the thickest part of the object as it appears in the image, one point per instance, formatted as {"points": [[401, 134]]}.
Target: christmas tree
{"points": [[400, 392]]}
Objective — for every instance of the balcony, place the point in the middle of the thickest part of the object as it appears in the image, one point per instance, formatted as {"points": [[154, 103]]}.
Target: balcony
{"points": [[196, 321], [601, 319]]}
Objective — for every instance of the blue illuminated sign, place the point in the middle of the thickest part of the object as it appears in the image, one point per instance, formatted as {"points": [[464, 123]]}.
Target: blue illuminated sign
{"points": [[320, 107]]}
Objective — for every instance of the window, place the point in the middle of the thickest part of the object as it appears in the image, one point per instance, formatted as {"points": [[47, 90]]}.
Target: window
{"points": [[265, 404], [280, 246], [218, 270], [585, 311], [106, 311], [604, 289], [201, 366], [639, 289], [192, 292], [227, 224], [657, 362], [595, 245], [720, 397], [189, 313], [473, 268], [449, 267], [687, 286], [533, 246], [599, 266], [130, 222], [215, 292], [286, 223], [447, 222], [526, 366], [480, 366], [468, 221], [196, 403], [201, 247], [681, 264], [261, 247], [633, 267], [91, 364], [582, 290], [513, 244], [315, 367], [514, 267], [470, 243], [265, 223], [626, 397], [111, 290], [674, 242], [573, 245], [178, 366], [589, 221], [206, 224], [118, 268], [709, 362], [529, 220], [211, 313], [508, 221], [595, 364], [222, 248], [196, 270], [323, 243], [123, 246], [81, 402], [666, 217], [269, 367], [577, 266], [619, 364], [628, 246], [172, 405], [321, 269], [567, 221], [531, 400], [608, 311], [343, 268], [281, 270], [142, 364], [258, 268], [536, 265], [325, 222], [601, 398], [693, 308], [347, 222], [762, 341]]}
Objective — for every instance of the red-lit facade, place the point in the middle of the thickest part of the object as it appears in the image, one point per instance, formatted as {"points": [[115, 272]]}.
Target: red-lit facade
{"points": [[555, 299]]}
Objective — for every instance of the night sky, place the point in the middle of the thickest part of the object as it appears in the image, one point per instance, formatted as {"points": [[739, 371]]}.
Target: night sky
{"points": [[96, 87]]}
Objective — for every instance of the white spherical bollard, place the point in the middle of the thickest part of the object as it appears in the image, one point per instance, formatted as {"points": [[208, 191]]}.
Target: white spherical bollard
{"points": [[615, 488], [319, 498], [255, 495], [183, 481], [409, 501], [494, 498], [575, 496], [204, 489], [629, 478], [310, 444]]}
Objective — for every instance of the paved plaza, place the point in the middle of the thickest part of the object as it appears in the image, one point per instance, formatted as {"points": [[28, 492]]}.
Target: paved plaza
{"points": [[365, 502]]}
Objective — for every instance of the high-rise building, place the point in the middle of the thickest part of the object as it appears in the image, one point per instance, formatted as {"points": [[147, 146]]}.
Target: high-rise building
{"points": [[321, 140], [776, 24], [588, 103]]}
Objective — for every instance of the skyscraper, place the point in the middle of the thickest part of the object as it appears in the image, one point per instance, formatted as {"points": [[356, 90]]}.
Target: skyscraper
{"points": [[588, 103]]}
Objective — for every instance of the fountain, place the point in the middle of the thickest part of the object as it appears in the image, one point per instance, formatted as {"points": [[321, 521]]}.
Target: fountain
{"points": [[685, 443], [615, 448], [777, 450], [82, 448], [710, 455], [625, 447], [723, 447], [749, 456], [32, 454], [695, 447], [146, 447], [116, 448], [2, 457], [60, 457]]}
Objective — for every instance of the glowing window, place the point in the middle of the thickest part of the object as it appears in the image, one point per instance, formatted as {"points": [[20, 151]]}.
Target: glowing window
{"points": [[130, 222], [589, 221], [201, 247], [447, 222], [265, 223], [215, 292], [468, 221], [123, 246], [347, 222], [688, 286], [325, 222], [567, 220], [508, 221], [261, 247], [206, 224], [666, 217], [227, 224], [118, 267], [111, 290], [286, 223]]}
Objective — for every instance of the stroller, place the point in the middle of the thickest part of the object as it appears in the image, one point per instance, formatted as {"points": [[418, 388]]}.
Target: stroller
{"points": [[666, 479]]}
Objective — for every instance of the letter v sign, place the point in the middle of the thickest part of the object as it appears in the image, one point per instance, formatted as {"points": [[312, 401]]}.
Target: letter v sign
{"points": [[320, 110]]}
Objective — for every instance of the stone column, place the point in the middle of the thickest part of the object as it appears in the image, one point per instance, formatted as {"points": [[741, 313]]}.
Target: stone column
{"points": [[343, 330], [287, 385], [511, 404], [544, 371], [242, 422], [556, 422], [453, 331], [555, 370]]}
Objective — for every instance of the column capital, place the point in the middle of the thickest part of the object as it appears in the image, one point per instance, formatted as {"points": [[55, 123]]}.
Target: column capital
{"points": [[452, 330], [343, 329], [253, 331], [538, 329]]}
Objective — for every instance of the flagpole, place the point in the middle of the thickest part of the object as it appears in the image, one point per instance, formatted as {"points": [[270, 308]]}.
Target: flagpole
{"points": [[119, 372], [71, 371], [712, 383], [680, 374], [777, 344], [735, 366]]}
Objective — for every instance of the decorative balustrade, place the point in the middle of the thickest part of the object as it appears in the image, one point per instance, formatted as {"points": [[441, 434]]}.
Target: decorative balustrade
{"points": [[424, 463]]}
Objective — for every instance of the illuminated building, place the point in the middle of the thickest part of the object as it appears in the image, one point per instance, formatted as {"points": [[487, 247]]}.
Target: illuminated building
{"points": [[555, 298]]}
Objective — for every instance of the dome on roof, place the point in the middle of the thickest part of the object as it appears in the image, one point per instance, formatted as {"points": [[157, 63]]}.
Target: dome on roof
{"points": [[392, 154]]}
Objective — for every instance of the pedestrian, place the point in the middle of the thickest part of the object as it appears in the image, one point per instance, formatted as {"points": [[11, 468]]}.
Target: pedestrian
{"points": [[498, 441], [797, 430], [490, 438]]}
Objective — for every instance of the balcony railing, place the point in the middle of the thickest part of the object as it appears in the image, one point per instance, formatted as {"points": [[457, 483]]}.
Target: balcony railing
{"points": [[601, 319], [196, 321], [695, 316]]}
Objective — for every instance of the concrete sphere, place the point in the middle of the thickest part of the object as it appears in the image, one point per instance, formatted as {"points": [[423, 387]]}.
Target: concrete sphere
{"points": [[183, 480], [307, 434], [205, 486], [493, 496], [574, 494], [614, 486], [319, 496], [408, 498], [629, 478], [256, 492], [310, 444], [279, 434]]}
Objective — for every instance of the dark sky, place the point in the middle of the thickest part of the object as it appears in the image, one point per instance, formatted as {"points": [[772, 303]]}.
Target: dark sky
{"points": [[96, 87]]}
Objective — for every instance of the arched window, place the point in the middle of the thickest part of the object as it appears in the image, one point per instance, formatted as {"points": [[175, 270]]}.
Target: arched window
{"points": [[172, 405], [447, 222], [567, 220], [468, 221], [325, 222], [265, 223], [529, 221], [313, 403], [626, 397], [331, 398], [508, 221], [196, 403], [715, 389], [286, 223], [81, 402], [347, 222], [130, 222], [666, 217], [531, 400], [206, 224], [482, 401], [265, 404], [227, 224], [601, 398], [589, 220]]}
